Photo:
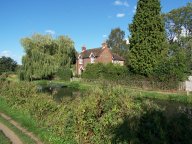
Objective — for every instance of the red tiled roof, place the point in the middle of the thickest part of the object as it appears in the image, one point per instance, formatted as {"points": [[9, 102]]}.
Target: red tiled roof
{"points": [[97, 52], [117, 57]]}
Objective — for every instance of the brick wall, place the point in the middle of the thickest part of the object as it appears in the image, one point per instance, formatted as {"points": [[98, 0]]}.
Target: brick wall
{"points": [[105, 56]]}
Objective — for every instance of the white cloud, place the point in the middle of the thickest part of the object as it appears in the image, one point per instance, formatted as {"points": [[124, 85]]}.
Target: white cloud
{"points": [[127, 41], [5, 53], [49, 31], [118, 2], [120, 15], [104, 36], [121, 3], [126, 4], [134, 10]]}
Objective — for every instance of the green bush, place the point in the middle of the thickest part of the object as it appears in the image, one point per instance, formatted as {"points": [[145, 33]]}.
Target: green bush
{"points": [[64, 74], [173, 68], [105, 71], [3, 76]]}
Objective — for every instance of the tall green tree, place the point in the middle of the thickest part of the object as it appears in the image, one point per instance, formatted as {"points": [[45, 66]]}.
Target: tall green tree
{"points": [[173, 68], [179, 31], [7, 64], [117, 42], [45, 56], [148, 39], [178, 22]]}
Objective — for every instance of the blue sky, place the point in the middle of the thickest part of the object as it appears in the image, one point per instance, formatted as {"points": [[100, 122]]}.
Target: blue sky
{"points": [[86, 22]]}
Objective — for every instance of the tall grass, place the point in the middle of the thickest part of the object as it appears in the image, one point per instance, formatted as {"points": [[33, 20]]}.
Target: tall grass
{"points": [[103, 114]]}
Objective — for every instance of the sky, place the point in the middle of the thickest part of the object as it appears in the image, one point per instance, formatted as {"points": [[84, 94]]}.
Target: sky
{"points": [[86, 22]]}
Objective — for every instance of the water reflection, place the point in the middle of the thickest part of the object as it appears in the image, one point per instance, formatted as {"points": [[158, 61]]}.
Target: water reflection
{"points": [[171, 108], [59, 92]]}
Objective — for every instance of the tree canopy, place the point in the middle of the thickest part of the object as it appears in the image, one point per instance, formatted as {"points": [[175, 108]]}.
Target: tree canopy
{"points": [[178, 22], [178, 63], [148, 39], [7, 64], [117, 42], [45, 55]]}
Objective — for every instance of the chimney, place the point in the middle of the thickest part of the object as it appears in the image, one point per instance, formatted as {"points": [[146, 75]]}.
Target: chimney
{"points": [[83, 48], [104, 45]]}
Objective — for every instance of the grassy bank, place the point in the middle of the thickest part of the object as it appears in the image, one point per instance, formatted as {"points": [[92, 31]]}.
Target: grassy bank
{"points": [[4, 139], [135, 92], [103, 114], [24, 138], [26, 121]]}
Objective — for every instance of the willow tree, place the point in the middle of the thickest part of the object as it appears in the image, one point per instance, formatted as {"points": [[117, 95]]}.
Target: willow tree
{"points": [[45, 55], [148, 39]]}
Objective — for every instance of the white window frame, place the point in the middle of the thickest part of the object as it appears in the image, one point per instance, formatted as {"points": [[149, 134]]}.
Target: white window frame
{"points": [[92, 58], [80, 59]]}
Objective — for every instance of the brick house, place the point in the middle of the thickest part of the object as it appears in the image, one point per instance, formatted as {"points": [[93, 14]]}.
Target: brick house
{"points": [[96, 55]]}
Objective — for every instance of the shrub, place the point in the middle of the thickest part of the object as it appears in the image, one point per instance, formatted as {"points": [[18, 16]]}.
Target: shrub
{"points": [[105, 71], [101, 115], [3, 77], [64, 74]]}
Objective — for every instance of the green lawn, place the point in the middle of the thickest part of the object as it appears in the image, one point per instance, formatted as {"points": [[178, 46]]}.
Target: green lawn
{"points": [[4, 139]]}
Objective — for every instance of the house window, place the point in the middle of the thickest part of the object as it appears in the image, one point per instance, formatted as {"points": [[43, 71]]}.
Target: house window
{"points": [[81, 69], [116, 62], [92, 59], [80, 59]]}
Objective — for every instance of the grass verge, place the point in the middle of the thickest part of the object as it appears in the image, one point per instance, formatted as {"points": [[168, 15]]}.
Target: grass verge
{"points": [[4, 139], [24, 138], [176, 97], [26, 121]]}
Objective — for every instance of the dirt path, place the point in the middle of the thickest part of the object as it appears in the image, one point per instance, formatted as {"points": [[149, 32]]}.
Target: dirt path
{"points": [[10, 134], [17, 125]]}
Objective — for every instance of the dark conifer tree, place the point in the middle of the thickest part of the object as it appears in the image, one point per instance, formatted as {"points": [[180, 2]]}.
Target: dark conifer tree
{"points": [[148, 38]]}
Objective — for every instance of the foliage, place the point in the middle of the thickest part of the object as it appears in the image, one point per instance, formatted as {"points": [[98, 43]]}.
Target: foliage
{"points": [[117, 42], [64, 74], [186, 45], [105, 71], [174, 68], [179, 129], [178, 22], [24, 138], [7, 64], [147, 41], [179, 32], [45, 55], [101, 115], [153, 127], [3, 77]]}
